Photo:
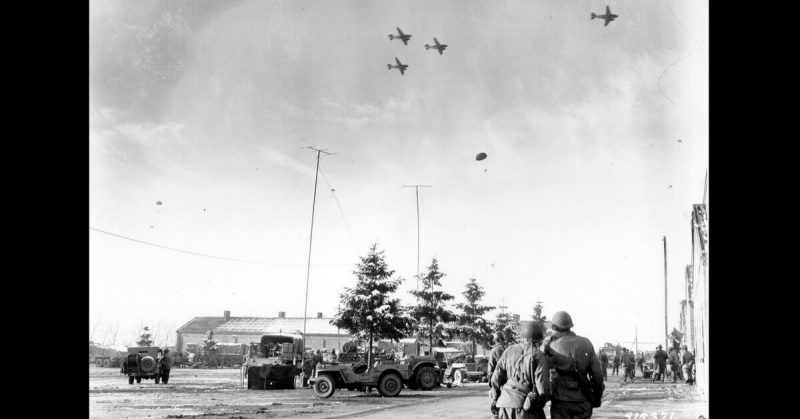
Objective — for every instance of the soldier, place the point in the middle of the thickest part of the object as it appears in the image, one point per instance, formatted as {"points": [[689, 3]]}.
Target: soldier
{"points": [[166, 365], [494, 356], [316, 359], [521, 378], [660, 361], [674, 364], [603, 364], [687, 363], [615, 363], [575, 371], [640, 362], [629, 364]]}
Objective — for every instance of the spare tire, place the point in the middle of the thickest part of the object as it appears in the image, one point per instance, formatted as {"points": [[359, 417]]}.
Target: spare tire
{"points": [[147, 363]]}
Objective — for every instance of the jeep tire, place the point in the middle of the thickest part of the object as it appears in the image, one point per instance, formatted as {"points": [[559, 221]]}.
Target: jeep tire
{"points": [[458, 377], [324, 387], [426, 378], [390, 385]]}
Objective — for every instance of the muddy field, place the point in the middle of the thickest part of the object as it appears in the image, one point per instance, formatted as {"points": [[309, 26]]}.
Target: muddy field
{"points": [[219, 393]]}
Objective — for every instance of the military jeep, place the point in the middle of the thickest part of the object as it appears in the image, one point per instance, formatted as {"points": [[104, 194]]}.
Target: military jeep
{"points": [[387, 375], [461, 367], [143, 362]]}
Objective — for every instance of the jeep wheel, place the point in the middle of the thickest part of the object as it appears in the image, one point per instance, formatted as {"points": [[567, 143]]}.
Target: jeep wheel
{"points": [[130, 379], [426, 378], [324, 387], [390, 385], [458, 377]]}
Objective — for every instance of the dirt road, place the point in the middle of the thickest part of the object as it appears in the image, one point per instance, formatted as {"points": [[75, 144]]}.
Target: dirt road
{"points": [[219, 393]]}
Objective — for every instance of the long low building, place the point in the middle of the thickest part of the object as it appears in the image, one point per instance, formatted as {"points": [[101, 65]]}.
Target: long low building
{"points": [[319, 332]]}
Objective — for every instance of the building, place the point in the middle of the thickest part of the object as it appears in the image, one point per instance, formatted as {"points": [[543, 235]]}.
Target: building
{"points": [[694, 307], [319, 332]]}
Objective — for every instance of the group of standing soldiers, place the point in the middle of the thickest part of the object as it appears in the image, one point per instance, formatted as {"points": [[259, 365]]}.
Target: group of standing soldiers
{"points": [[561, 368], [681, 364]]}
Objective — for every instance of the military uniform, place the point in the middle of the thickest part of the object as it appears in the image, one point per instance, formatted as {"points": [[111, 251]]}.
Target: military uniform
{"points": [[687, 362], [563, 349], [629, 364], [660, 364], [675, 365], [494, 356], [615, 363], [513, 381], [604, 364], [640, 363], [166, 366]]}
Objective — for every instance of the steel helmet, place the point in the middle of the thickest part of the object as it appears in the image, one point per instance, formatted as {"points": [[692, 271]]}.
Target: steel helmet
{"points": [[531, 330], [562, 320], [658, 347], [683, 346]]}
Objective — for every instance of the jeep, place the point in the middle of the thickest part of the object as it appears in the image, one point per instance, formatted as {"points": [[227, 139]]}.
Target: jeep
{"points": [[143, 362], [387, 375]]}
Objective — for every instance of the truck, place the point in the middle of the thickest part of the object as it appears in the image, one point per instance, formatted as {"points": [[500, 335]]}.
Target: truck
{"points": [[275, 362], [106, 356], [387, 374], [461, 367], [143, 362]]}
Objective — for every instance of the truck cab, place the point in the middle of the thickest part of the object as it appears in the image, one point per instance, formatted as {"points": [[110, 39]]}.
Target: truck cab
{"points": [[275, 361]]}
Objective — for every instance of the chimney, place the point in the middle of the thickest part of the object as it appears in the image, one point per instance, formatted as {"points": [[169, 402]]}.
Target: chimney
{"points": [[227, 315], [319, 314], [281, 314]]}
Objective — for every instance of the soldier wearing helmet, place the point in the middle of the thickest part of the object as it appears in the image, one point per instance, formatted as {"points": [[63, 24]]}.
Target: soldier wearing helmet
{"points": [[521, 379], [687, 363], [660, 361], [494, 356], [575, 370]]}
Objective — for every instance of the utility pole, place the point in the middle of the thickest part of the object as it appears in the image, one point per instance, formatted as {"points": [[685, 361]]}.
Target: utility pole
{"points": [[416, 188], [666, 328], [310, 238]]}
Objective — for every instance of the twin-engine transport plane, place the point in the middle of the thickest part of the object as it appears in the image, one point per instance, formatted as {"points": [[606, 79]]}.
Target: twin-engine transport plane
{"points": [[400, 66], [438, 46], [608, 16], [403, 37]]}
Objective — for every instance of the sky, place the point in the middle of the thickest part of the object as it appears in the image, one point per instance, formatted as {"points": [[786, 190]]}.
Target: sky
{"points": [[597, 144]]}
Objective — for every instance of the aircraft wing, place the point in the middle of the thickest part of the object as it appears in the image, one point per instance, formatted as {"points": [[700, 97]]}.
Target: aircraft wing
{"points": [[401, 32], [405, 41], [607, 22], [608, 11], [402, 70], [398, 63], [436, 40]]}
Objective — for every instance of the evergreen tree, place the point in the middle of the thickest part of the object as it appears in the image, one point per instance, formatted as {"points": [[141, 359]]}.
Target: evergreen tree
{"points": [[537, 312], [210, 348], [145, 339], [506, 324], [368, 310], [430, 314], [472, 326]]}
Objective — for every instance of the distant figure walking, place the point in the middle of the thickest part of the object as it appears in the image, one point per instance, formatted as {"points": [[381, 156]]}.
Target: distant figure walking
{"points": [[166, 366], [615, 363], [604, 364], [660, 361]]}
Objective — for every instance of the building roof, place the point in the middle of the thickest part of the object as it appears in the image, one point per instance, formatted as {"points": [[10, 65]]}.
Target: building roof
{"points": [[258, 325]]}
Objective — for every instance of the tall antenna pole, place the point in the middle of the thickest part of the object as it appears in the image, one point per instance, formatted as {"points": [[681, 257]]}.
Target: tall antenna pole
{"points": [[310, 238], [666, 329], [416, 189]]}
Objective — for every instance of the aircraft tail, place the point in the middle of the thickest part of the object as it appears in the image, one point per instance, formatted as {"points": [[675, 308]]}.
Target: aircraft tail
{"points": [[427, 46], [593, 16], [389, 66], [391, 37]]}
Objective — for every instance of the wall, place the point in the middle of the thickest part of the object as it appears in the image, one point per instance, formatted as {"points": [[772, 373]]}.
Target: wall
{"points": [[314, 341]]}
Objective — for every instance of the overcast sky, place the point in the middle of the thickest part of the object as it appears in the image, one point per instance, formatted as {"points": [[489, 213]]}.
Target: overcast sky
{"points": [[596, 140]]}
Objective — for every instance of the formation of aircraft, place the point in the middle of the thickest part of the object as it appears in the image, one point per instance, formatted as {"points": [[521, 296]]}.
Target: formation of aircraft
{"points": [[400, 66], [608, 17], [403, 37], [438, 46]]}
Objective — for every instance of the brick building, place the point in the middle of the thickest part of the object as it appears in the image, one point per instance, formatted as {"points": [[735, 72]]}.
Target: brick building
{"points": [[319, 332]]}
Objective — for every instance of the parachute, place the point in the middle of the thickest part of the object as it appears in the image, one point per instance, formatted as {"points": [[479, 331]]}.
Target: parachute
{"points": [[480, 156]]}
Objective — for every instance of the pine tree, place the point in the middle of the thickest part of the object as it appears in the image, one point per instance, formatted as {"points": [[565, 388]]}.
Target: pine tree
{"points": [[537, 312], [210, 348], [368, 310], [430, 314], [472, 325], [505, 323], [145, 339]]}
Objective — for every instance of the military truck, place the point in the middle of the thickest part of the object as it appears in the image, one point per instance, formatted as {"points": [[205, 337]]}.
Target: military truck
{"points": [[143, 362], [106, 356], [386, 374], [275, 362]]}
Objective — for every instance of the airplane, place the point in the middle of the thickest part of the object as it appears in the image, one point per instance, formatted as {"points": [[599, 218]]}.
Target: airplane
{"points": [[403, 37], [438, 46], [400, 66], [608, 16]]}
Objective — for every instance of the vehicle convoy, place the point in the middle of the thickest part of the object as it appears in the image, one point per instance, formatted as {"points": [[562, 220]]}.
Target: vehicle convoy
{"points": [[462, 367], [106, 356], [275, 362], [387, 375], [143, 362]]}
